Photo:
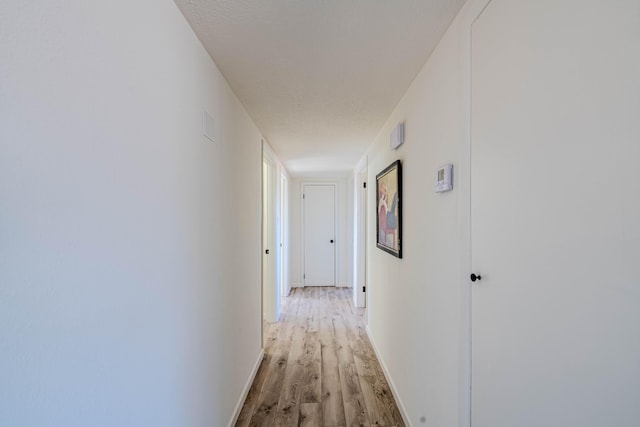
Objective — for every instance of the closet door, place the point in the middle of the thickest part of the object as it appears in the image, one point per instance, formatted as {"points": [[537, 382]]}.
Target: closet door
{"points": [[555, 207], [319, 234]]}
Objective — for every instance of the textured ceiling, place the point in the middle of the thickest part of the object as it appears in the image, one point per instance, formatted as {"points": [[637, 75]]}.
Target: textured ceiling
{"points": [[319, 77]]}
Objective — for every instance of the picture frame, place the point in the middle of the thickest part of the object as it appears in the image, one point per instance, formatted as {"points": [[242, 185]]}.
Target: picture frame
{"points": [[389, 209]]}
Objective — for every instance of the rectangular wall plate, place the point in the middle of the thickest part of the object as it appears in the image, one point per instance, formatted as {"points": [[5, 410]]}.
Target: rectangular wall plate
{"points": [[444, 179], [208, 126], [396, 139]]}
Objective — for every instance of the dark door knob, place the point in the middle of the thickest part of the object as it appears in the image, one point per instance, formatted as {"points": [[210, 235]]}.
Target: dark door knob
{"points": [[331, 241], [475, 277]]}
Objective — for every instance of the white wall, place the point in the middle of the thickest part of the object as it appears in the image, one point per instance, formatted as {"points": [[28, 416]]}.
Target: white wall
{"points": [[129, 243], [344, 227], [419, 303]]}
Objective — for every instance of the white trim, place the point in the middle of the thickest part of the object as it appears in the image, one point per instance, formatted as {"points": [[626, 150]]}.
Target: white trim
{"points": [[283, 235], [245, 391], [272, 307], [394, 390], [269, 151], [360, 221], [465, 391]]}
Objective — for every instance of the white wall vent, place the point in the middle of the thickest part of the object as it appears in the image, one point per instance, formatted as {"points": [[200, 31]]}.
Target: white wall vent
{"points": [[208, 126], [397, 136]]}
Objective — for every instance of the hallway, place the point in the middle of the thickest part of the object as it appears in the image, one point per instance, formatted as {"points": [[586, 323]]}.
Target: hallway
{"points": [[319, 368]]}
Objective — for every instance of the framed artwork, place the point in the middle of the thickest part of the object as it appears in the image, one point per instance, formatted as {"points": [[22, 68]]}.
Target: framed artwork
{"points": [[389, 206]]}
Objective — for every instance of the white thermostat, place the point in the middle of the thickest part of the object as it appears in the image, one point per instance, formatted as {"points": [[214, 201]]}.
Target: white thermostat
{"points": [[444, 179]]}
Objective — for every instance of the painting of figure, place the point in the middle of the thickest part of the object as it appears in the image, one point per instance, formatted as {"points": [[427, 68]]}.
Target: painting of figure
{"points": [[388, 189]]}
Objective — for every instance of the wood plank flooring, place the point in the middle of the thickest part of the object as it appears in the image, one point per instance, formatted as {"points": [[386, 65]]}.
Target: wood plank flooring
{"points": [[319, 368]]}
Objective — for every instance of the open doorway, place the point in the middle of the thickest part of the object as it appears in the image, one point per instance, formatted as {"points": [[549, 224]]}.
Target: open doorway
{"points": [[275, 236], [270, 252]]}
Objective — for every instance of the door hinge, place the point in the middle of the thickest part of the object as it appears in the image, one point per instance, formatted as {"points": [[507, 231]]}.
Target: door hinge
{"points": [[303, 196], [364, 289], [304, 276], [364, 184]]}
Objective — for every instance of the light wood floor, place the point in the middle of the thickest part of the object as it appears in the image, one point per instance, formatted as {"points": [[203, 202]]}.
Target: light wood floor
{"points": [[319, 368]]}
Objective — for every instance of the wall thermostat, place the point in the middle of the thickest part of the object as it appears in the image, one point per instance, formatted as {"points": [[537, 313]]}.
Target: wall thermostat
{"points": [[444, 179]]}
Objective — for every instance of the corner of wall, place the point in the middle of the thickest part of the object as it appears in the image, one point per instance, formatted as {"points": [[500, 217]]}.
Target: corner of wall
{"points": [[394, 390], [246, 389]]}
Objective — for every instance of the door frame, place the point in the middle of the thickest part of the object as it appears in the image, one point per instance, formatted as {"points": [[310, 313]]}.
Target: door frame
{"points": [[285, 288], [361, 197], [333, 184], [464, 220], [270, 306]]}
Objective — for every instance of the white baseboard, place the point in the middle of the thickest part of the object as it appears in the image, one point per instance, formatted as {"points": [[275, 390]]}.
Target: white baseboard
{"points": [[394, 391], [340, 285], [245, 392]]}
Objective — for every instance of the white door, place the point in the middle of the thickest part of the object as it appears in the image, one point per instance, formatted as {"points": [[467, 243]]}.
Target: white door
{"points": [[284, 238], [361, 240], [269, 251], [555, 208], [319, 235]]}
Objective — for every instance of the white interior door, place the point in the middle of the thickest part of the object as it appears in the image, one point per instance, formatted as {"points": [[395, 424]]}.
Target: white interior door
{"points": [[319, 235], [270, 291], [265, 238], [361, 240], [284, 239], [555, 206]]}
